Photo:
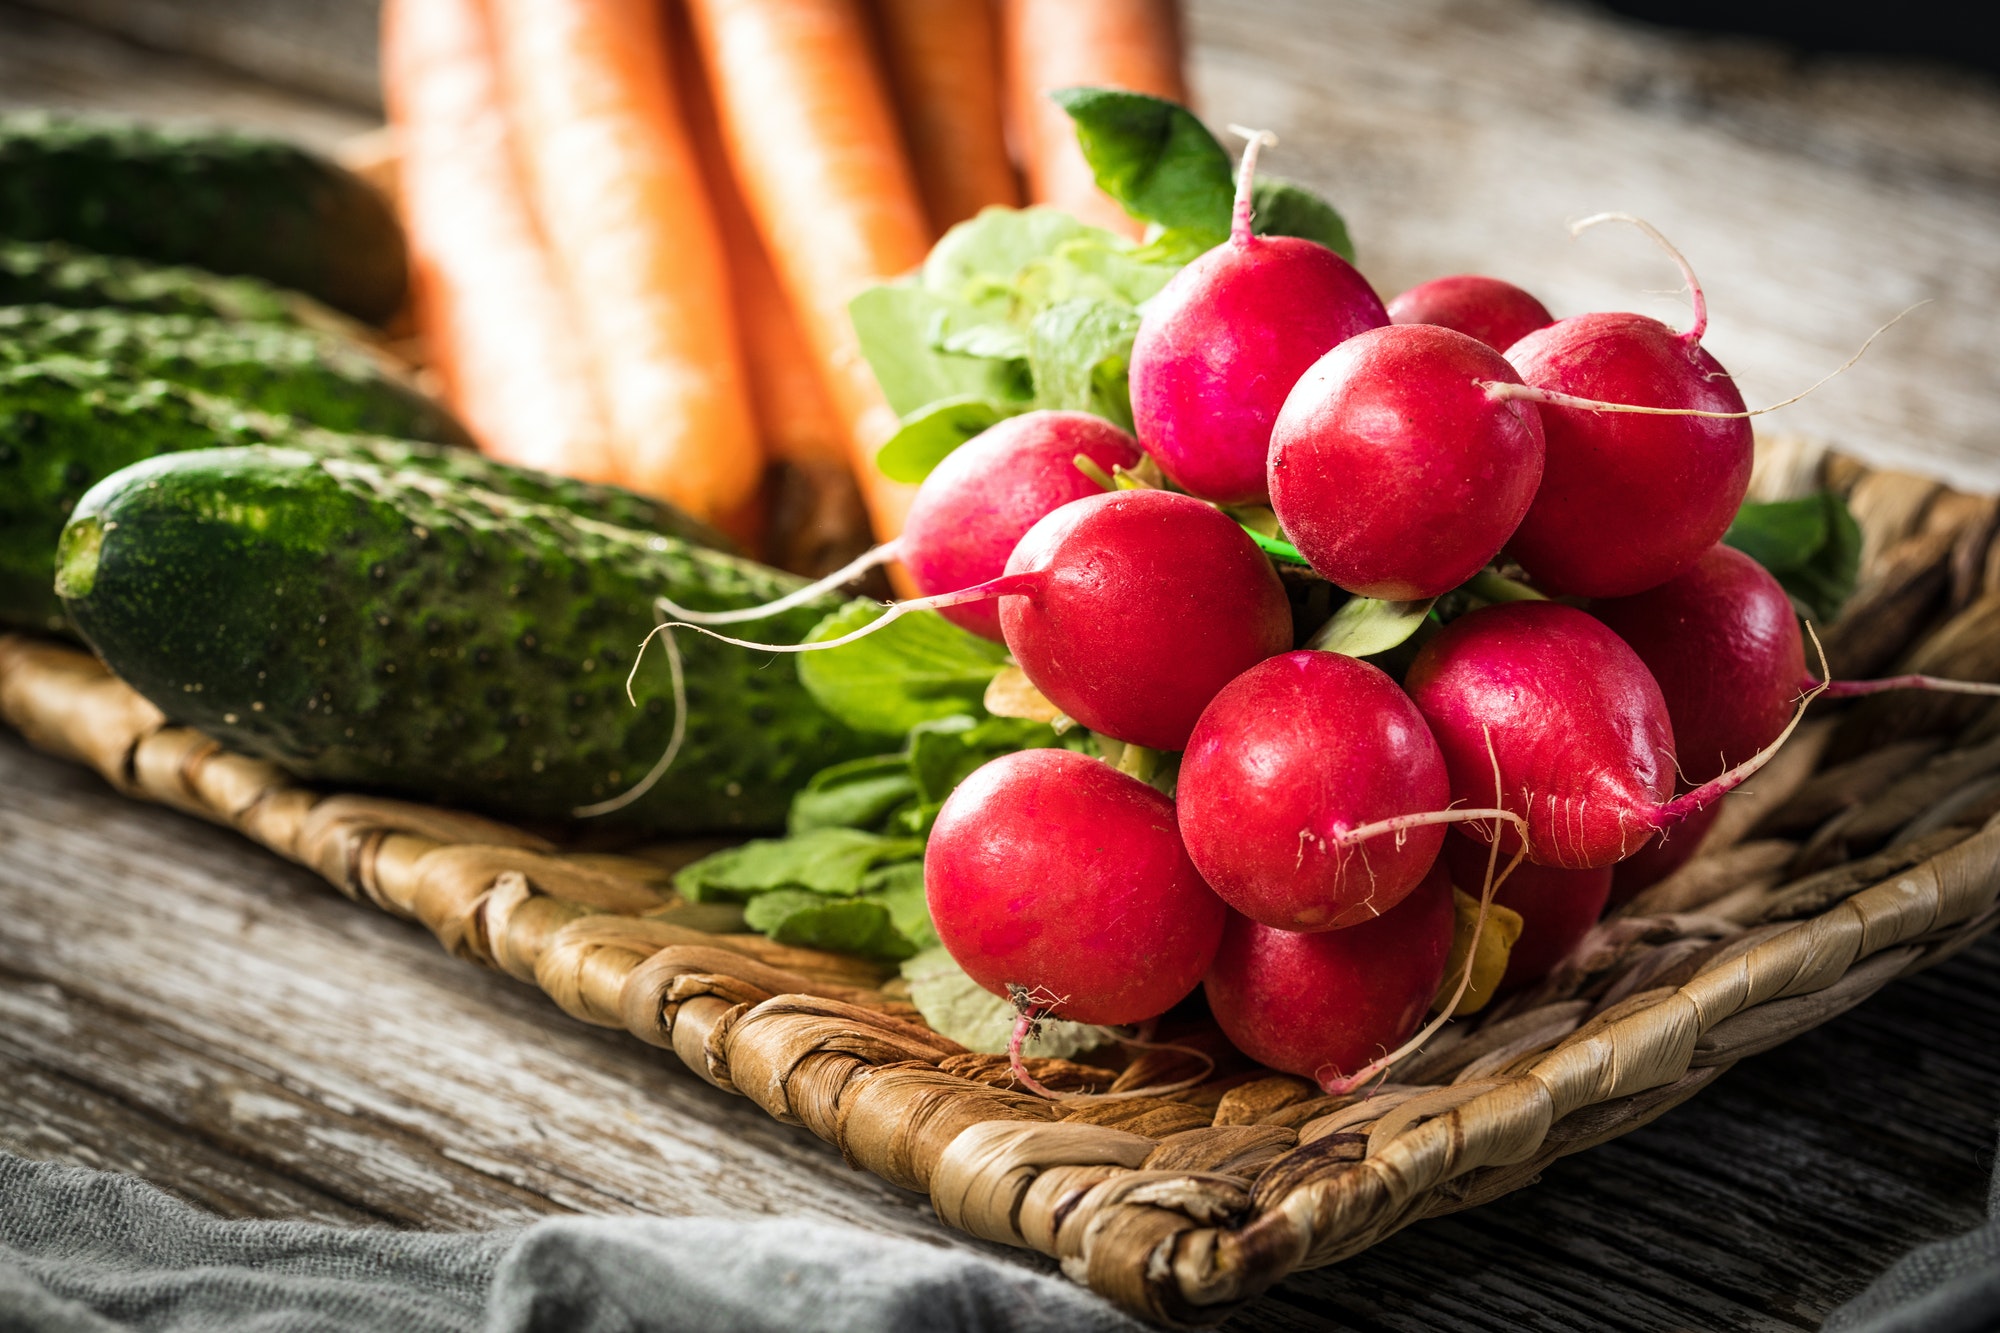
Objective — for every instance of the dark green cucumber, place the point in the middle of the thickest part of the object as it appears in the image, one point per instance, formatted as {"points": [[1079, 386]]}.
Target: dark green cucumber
{"points": [[388, 630], [51, 273], [65, 425], [221, 200], [319, 378]]}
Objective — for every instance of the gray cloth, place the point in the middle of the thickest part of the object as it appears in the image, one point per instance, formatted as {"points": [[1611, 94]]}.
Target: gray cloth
{"points": [[1948, 1286], [91, 1252]]}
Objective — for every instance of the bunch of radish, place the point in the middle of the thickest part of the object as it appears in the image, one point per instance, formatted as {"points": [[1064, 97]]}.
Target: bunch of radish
{"points": [[1302, 870]]}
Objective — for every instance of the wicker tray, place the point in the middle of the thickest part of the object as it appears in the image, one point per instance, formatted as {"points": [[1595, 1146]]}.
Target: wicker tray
{"points": [[1869, 849]]}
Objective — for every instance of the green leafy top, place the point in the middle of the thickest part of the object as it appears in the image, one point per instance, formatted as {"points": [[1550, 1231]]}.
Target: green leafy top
{"points": [[1158, 160], [918, 669], [1811, 545]]}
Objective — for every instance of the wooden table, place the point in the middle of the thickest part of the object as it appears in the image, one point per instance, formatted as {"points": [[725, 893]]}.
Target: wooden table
{"points": [[178, 1004]]}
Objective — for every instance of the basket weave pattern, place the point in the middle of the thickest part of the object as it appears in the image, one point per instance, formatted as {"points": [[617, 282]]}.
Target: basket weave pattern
{"points": [[1870, 848]]}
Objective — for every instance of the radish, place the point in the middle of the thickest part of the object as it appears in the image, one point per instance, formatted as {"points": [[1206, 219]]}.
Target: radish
{"points": [[1394, 471], [1127, 609], [1573, 720], [1724, 644], [1131, 609], [1222, 343], [1497, 313], [1060, 882], [1557, 907], [974, 506], [1648, 448], [1323, 1004], [1294, 766]]}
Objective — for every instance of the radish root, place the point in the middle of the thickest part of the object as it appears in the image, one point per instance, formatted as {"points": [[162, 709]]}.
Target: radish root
{"points": [[1854, 689], [1032, 1006], [1680, 808], [1004, 586], [847, 573], [1502, 389], [1337, 1085], [674, 740]]}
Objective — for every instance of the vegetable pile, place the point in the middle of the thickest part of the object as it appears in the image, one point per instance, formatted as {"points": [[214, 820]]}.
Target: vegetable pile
{"points": [[1336, 660]]}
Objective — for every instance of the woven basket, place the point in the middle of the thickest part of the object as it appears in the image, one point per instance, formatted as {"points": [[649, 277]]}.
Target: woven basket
{"points": [[1868, 849]]}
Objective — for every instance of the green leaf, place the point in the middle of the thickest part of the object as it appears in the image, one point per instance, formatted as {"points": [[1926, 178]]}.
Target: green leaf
{"points": [[844, 925], [1280, 207], [828, 860], [919, 668], [975, 262], [1069, 344], [944, 753], [898, 325], [860, 793], [1154, 157], [928, 435], [1811, 545], [960, 1008], [900, 889], [1366, 626]]}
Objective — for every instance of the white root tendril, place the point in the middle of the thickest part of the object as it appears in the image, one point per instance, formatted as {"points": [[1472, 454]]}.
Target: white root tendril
{"points": [[1032, 1006], [1000, 587], [679, 734], [1337, 1085], [1502, 390], [846, 574]]}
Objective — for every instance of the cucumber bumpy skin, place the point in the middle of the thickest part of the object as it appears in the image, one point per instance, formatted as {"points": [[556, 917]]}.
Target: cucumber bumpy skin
{"points": [[51, 273], [221, 200], [388, 630], [319, 378], [66, 425]]}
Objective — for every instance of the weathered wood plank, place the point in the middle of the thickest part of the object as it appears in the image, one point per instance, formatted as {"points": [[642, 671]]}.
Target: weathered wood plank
{"points": [[1816, 198]]}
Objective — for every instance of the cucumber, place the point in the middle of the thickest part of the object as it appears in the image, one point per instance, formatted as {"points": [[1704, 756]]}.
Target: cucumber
{"points": [[221, 200], [51, 273], [365, 627], [65, 425], [318, 378]]}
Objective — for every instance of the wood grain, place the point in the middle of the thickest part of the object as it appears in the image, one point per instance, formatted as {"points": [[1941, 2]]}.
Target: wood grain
{"points": [[176, 1003], [1815, 198]]}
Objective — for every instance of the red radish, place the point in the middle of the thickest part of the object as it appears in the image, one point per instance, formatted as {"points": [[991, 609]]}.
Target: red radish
{"points": [[1724, 644], [1131, 609], [1497, 313], [1287, 763], [1324, 1005], [1662, 855], [972, 509], [1573, 720], [1054, 876], [1557, 907], [1393, 470], [1648, 449], [1128, 609], [1221, 345]]}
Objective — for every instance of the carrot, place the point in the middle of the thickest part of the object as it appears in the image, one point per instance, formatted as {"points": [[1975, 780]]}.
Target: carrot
{"points": [[817, 521], [614, 180], [1132, 44], [944, 68], [495, 321], [807, 121]]}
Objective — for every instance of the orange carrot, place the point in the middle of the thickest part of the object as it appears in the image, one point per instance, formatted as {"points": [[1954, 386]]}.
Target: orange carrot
{"points": [[495, 320], [793, 414], [944, 68], [615, 183], [1131, 44], [807, 121]]}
